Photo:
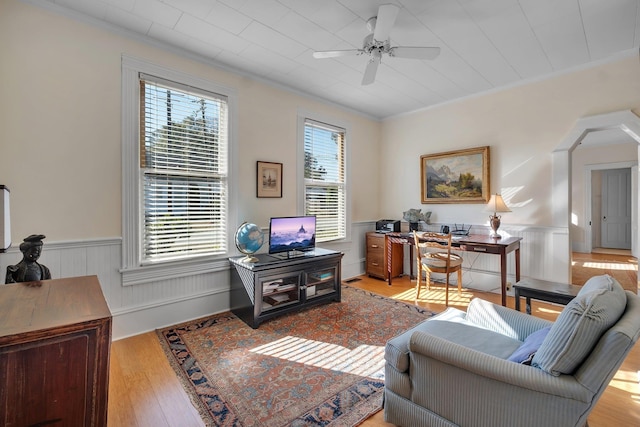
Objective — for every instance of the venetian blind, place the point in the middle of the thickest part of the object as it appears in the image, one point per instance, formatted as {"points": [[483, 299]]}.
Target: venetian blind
{"points": [[324, 176], [183, 166]]}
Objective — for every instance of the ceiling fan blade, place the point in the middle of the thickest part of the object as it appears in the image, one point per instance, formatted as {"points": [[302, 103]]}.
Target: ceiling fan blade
{"points": [[370, 72], [335, 53], [387, 14], [415, 52]]}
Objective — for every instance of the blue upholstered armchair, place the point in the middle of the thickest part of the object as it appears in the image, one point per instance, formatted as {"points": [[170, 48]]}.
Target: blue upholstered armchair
{"points": [[455, 369]]}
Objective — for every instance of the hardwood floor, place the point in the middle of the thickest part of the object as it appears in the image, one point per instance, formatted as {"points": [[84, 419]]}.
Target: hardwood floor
{"points": [[144, 390]]}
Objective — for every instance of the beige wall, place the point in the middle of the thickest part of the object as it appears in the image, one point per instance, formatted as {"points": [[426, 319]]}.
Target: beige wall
{"points": [[523, 125], [60, 142]]}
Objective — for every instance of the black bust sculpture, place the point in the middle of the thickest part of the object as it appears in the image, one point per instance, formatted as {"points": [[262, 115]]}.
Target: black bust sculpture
{"points": [[29, 270]]}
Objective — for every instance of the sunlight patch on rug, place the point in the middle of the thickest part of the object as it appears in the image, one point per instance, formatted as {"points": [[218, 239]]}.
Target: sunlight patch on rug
{"points": [[365, 360]]}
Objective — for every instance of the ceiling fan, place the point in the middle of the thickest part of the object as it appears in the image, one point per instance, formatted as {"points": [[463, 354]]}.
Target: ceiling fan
{"points": [[377, 43]]}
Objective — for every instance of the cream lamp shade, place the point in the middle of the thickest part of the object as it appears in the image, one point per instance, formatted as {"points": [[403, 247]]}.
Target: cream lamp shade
{"points": [[496, 205], [5, 223]]}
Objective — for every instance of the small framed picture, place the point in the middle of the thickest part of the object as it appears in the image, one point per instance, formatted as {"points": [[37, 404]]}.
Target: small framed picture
{"points": [[269, 177]]}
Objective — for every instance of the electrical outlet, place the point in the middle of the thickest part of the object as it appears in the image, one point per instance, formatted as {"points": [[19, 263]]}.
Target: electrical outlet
{"points": [[508, 286]]}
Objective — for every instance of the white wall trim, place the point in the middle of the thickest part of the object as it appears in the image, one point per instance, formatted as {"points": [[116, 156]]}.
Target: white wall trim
{"points": [[148, 318], [132, 272], [72, 244], [629, 53], [304, 114], [137, 276]]}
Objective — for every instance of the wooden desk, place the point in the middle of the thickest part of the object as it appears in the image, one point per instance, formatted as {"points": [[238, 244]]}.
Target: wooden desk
{"points": [[473, 243]]}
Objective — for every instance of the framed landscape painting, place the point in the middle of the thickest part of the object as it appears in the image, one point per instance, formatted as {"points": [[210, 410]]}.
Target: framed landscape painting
{"points": [[460, 176]]}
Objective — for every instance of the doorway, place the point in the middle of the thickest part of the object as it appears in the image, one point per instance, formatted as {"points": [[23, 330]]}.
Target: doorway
{"points": [[625, 121], [594, 197]]}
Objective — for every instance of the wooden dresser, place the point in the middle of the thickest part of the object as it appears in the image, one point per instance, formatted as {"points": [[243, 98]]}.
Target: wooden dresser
{"points": [[55, 338], [377, 256]]}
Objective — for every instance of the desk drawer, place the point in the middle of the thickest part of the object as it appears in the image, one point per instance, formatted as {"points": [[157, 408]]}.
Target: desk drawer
{"points": [[376, 269], [375, 243], [484, 249]]}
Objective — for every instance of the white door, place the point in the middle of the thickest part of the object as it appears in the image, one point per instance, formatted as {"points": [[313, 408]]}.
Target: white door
{"points": [[616, 208]]}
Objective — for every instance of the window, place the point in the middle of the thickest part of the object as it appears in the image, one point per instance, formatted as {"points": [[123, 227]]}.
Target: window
{"points": [[325, 179], [183, 165], [177, 153]]}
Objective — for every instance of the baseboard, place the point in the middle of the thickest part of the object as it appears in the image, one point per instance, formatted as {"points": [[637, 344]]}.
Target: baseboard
{"points": [[127, 323]]}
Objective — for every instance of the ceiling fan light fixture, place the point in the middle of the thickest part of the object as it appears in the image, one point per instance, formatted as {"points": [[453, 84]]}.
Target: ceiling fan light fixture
{"points": [[371, 24]]}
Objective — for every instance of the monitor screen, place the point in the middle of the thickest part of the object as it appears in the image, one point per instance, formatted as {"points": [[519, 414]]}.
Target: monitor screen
{"points": [[294, 233]]}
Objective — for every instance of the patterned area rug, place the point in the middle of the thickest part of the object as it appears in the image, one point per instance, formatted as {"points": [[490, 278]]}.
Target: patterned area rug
{"points": [[323, 366]]}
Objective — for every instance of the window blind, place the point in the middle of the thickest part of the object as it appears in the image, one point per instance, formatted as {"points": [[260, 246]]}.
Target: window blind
{"points": [[324, 175], [183, 166]]}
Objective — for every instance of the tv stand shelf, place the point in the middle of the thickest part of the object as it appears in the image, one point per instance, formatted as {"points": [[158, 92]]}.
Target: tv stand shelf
{"points": [[273, 285]]}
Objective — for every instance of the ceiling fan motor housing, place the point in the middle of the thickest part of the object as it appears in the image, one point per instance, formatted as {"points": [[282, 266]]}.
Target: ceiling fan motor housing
{"points": [[372, 46]]}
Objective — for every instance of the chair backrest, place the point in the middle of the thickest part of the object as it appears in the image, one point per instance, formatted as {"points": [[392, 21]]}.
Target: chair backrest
{"points": [[432, 242]]}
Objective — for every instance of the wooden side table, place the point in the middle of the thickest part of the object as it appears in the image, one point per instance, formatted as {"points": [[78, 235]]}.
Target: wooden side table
{"points": [[560, 293], [55, 339]]}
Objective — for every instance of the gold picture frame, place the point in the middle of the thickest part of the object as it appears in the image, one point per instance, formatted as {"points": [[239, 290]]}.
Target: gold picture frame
{"points": [[460, 176], [269, 179]]}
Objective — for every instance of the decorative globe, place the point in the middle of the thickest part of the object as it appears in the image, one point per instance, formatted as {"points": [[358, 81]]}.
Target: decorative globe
{"points": [[249, 239]]}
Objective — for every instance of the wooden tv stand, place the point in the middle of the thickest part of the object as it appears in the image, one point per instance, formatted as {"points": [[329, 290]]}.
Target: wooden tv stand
{"points": [[275, 285]]}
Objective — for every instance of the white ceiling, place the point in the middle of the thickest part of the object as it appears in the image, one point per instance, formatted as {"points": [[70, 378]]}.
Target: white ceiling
{"points": [[486, 44]]}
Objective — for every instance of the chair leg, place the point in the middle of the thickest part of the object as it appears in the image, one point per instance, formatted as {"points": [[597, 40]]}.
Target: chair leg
{"points": [[460, 282], [446, 292], [418, 281]]}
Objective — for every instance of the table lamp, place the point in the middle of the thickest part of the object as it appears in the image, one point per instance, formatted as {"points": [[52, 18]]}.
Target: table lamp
{"points": [[5, 224], [495, 205]]}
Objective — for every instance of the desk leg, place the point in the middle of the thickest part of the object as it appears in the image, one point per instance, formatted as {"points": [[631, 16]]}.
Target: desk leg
{"points": [[518, 264], [411, 276], [528, 305], [517, 294], [503, 278], [388, 244]]}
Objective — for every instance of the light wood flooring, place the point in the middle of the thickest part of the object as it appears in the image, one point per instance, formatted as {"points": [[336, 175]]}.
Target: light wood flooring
{"points": [[144, 390]]}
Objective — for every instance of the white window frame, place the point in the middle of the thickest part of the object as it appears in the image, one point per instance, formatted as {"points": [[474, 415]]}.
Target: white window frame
{"points": [[133, 271], [304, 115]]}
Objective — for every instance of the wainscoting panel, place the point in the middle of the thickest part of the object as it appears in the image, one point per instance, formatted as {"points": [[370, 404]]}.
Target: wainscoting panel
{"points": [[142, 307], [543, 255]]}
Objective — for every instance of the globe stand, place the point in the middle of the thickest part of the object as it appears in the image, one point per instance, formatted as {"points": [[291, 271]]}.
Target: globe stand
{"points": [[249, 258]]}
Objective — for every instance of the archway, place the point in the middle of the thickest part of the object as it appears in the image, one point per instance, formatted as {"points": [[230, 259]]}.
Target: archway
{"points": [[625, 121]]}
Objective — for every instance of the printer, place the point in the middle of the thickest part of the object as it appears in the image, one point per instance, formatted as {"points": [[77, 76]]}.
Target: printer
{"points": [[387, 225]]}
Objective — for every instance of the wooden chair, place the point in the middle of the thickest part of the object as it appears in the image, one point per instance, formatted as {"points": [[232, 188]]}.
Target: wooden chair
{"points": [[433, 255]]}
